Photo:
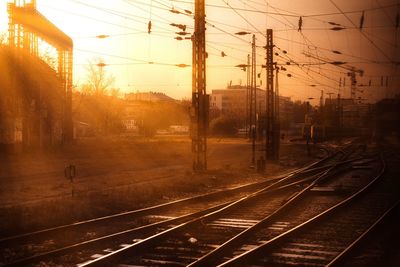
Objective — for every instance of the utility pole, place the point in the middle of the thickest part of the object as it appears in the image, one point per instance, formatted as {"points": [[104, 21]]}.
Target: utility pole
{"points": [[200, 100], [353, 85], [253, 101], [330, 97], [277, 130], [340, 115], [270, 147], [248, 106], [321, 99]]}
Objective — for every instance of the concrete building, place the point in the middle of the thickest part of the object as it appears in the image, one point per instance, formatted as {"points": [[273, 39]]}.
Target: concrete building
{"points": [[353, 114], [232, 101], [137, 103]]}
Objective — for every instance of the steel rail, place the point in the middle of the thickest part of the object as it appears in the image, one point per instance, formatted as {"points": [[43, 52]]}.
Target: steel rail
{"points": [[338, 260], [209, 257], [86, 244], [142, 245], [308, 168], [270, 243], [271, 183], [92, 242]]}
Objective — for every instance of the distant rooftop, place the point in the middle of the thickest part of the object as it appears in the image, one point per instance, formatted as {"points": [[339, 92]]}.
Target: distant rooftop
{"points": [[149, 96], [237, 86]]}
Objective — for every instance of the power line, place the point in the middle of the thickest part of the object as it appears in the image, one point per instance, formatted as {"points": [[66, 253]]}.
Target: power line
{"points": [[92, 18], [135, 60], [287, 14], [327, 77], [246, 20], [235, 46], [129, 16], [306, 39], [325, 49], [372, 42]]}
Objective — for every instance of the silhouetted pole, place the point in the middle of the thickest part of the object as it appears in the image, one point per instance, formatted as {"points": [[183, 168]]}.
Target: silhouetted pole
{"points": [[277, 119], [270, 138], [353, 86], [253, 101], [200, 100], [248, 106]]}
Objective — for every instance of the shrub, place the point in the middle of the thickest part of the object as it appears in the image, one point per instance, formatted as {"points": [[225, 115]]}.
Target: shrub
{"points": [[223, 126]]}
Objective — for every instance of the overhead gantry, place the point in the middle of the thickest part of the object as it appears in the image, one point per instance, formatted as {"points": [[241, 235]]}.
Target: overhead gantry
{"points": [[26, 26]]}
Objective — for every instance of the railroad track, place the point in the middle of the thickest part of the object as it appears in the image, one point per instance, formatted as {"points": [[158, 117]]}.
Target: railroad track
{"points": [[41, 245], [379, 244], [186, 243], [321, 240], [25, 248]]}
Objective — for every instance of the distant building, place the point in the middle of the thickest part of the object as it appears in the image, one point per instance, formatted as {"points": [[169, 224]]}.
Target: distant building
{"points": [[179, 129], [232, 101], [353, 114], [138, 104], [286, 113], [149, 97]]}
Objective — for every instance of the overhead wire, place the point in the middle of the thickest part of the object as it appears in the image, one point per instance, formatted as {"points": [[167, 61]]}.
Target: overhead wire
{"points": [[115, 13], [287, 14], [297, 64], [134, 60], [263, 34], [130, 16], [259, 31], [245, 19], [215, 24], [92, 18], [136, 30], [362, 32]]}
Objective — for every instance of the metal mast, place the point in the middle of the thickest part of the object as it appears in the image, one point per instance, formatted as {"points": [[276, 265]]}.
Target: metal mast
{"points": [[248, 106], [270, 147], [200, 100], [253, 101], [353, 88], [277, 129]]}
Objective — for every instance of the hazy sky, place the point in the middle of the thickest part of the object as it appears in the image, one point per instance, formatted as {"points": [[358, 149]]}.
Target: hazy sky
{"points": [[129, 47]]}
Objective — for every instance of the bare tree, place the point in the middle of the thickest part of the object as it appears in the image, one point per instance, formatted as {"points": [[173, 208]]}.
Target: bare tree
{"points": [[98, 81], [98, 102]]}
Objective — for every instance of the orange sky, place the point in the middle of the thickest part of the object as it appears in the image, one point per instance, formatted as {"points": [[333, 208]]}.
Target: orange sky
{"points": [[129, 48]]}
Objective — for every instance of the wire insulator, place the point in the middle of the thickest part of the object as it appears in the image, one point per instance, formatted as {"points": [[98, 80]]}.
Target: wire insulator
{"points": [[300, 24], [362, 21]]}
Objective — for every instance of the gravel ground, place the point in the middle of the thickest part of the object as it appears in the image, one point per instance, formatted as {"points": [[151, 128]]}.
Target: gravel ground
{"points": [[115, 174]]}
